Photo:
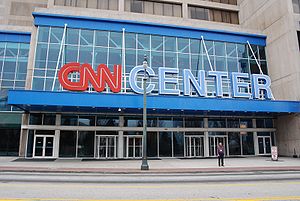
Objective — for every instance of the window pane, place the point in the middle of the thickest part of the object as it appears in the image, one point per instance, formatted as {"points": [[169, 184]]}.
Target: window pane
{"points": [[86, 120], [115, 39], [158, 8], [168, 9], [113, 4], [69, 120], [101, 38], [72, 36], [149, 6], [43, 34], [56, 34], [35, 119], [67, 143], [86, 37], [170, 44], [103, 4], [136, 6], [143, 41], [86, 143], [177, 10]]}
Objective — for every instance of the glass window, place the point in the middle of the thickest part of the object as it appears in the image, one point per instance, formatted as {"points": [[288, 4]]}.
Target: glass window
{"points": [[136, 6], [232, 65], [100, 55], [165, 144], [130, 40], [67, 143], [234, 143], [86, 120], [107, 121], [296, 6], [43, 34], [170, 44], [143, 41], [156, 43], [115, 39], [178, 144], [158, 8], [148, 7], [170, 59], [248, 144], [85, 54], [216, 123], [12, 49], [194, 122], [56, 34], [69, 120], [35, 119], [86, 37], [233, 123], [245, 123], [86, 143], [196, 46], [168, 9], [133, 121], [49, 119], [101, 38], [71, 53], [183, 45], [72, 36], [165, 122]]}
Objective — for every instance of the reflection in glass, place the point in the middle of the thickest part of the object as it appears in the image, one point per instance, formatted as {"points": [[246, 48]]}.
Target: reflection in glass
{"points": [[67, 143], [165, 144], [86, 143]]}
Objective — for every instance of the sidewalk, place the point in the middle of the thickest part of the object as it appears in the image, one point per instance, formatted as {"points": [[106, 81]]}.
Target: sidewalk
{"points": [[250, 164]]}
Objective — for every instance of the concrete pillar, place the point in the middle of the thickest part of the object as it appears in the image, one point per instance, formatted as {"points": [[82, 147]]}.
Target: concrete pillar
{"points": [[206, 139], [50, 4], [121, 139], [256, 150], [23, 136], [57, 136], [185, 10], [121, 5]]}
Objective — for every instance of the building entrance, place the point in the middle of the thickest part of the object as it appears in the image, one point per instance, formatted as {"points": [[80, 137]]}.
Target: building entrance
{"points": [[133, 146], [106, 146], [213, 144], [264, 145], [43, 146], [194, 146]]}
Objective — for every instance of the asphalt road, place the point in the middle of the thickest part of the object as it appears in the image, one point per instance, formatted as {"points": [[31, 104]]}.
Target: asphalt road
{"points": [[243, 186]]}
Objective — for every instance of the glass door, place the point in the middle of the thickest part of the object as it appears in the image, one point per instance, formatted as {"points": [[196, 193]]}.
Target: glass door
{"points": [[43, 146], [106, 147], [133, 146], [194, 146], [264, 145], [213, 144]]}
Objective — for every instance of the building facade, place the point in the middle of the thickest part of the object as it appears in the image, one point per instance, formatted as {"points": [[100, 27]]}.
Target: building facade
{"points": [[71, 84]]}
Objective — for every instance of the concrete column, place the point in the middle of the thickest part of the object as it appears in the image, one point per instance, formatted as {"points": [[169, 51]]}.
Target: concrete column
{"points": [[30, 64], [206, 139], [185, 10], [50, 3], [256, 151], [57, 136], [121, 5], [121, 139], [23, 136]]}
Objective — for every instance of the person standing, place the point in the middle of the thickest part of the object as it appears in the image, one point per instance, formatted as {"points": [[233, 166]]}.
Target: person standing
{"points": [[220, 151]]}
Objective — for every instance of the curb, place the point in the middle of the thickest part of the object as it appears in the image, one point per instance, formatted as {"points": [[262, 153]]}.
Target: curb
{"points": [[151, 171]]}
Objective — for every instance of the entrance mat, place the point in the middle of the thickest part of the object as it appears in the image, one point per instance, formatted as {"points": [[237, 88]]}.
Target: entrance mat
{"points": [[33, 159]]}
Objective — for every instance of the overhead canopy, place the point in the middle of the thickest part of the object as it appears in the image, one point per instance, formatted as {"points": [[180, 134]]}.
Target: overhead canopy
{"points": [[108, 102]]}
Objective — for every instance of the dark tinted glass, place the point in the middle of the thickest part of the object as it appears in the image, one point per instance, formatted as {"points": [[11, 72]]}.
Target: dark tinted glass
{"points": [[107, 121], [49, 119], [67, 144], [69, 120], [35, 119], [86, 143]]}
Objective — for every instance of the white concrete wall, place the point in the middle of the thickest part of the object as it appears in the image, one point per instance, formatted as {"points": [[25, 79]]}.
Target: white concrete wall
{"points": [[276, 19]]}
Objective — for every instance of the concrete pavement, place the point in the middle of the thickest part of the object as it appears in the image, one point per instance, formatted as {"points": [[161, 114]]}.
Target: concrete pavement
{"points": [[11, 164]]}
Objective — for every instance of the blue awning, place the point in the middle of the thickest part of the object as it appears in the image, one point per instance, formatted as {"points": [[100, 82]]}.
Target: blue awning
{"points": [[103, 102]]}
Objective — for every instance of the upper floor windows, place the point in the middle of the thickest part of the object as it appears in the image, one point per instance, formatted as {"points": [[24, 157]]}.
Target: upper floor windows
{"points": [[96, 4], [232, 2], [296, 6], [212, 14], [155, 8]]}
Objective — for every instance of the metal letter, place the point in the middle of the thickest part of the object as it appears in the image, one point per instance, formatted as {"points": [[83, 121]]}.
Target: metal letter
{"points": [[236, 85], [261, 82], [132, 79], [188, 79], [163, 80], [218, 81]]}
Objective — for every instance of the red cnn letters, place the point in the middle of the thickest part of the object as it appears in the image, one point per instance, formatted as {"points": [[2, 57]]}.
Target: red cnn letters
{"points": [[88, 75]]}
